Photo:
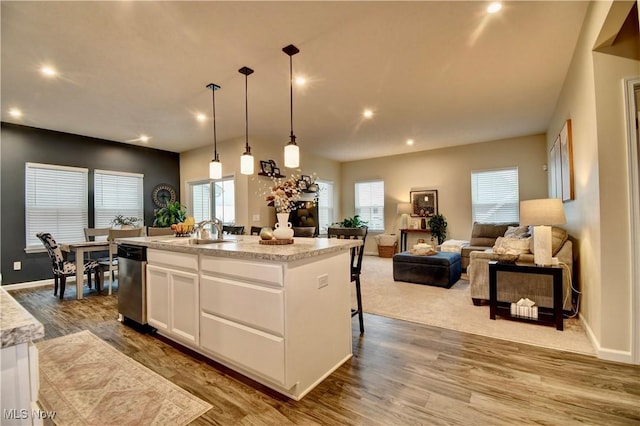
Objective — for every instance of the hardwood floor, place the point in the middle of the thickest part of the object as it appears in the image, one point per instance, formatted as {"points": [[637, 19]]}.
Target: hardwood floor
{"points": [[401, 374]]}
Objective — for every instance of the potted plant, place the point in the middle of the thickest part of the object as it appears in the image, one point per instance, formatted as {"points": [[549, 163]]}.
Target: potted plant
{"points": [[438, 225], [122, 222], [167, 216], [353, 222]]}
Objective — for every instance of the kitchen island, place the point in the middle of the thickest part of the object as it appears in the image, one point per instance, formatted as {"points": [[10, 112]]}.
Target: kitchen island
{"points": [[19, 358], [279, 314]]}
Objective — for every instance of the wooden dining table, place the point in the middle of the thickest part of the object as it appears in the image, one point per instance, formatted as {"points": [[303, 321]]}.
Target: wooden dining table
{"points": [[80, 248]]}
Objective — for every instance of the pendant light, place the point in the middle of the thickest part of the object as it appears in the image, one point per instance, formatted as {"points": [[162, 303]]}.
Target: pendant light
{"points": [[215, 166], [246, 159], [291, 150]]}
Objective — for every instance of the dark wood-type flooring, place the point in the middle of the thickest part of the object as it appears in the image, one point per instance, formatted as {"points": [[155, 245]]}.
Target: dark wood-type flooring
{"points": [[401, 373]]}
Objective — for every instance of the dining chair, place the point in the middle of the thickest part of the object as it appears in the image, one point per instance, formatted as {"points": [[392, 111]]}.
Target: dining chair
{"points": [[233, 230], [63, 268], [304, 231], [111, 264], [255, 230], [355, 264], [96, 234], [154, 231]]}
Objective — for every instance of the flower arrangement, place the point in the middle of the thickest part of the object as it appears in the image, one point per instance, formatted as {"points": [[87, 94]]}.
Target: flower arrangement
{"points": [[284, 194]]}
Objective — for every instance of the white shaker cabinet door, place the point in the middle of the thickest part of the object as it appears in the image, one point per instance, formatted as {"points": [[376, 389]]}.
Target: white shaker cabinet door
{"points": [[158, 297]]}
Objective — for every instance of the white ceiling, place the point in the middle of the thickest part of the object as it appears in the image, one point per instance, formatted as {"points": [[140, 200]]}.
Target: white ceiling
{"points": [[441, 73]]}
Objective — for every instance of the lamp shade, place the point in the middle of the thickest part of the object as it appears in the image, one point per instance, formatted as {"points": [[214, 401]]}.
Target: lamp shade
{"points": [[291, 155], [404, 208], [215, 170], [544, 211], [246, 163]]}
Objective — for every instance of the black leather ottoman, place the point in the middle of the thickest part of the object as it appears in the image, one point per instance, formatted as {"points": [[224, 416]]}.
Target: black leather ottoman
{"points": [[442, 269]]}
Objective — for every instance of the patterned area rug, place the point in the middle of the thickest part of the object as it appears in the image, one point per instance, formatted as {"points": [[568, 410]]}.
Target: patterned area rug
{"points": [[87, 382], [452, 308]]}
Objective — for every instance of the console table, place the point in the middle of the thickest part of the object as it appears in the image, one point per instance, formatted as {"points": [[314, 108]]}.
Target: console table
{"points": [[546, 316], [403, 236]]}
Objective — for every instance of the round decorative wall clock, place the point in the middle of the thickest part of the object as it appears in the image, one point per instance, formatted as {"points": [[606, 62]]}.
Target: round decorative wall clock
{"points": [[163, 195]]}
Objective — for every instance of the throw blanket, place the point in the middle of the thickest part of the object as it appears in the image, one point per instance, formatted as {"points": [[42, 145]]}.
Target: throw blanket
{"points": [[454, 246]]}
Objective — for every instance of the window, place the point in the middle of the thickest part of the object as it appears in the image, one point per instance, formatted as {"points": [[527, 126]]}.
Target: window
{"points": [[370, 203], [56, 201], [117, 193], [494, 195], [209, 199], [200, 201], [325, 205]]}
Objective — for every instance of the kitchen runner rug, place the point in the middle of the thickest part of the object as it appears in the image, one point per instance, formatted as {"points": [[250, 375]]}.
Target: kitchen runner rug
{"points": [[87, 382]]}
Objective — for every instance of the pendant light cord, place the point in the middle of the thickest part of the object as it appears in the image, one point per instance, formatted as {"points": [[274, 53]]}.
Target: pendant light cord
{"points": [[291, 93], [215, 145], [246, 113]]}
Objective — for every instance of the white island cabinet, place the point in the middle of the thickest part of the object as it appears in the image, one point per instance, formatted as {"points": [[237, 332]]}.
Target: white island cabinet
{"points": [[277, 314], [172, 295], [19, 363]]}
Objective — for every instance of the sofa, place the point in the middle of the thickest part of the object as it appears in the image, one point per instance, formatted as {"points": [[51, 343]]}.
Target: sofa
{"points": [[483, 237], [513, 286]]}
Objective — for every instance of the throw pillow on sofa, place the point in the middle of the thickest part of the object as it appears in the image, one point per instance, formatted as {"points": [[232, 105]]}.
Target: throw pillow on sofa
{"points": [[512, 245], [517, 232]]}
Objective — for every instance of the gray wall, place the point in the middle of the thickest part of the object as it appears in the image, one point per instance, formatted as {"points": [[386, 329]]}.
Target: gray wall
{"points": [[20, 144]]}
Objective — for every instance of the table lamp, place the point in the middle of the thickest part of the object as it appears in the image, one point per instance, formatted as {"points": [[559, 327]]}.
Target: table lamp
{"points": [[541, 214], [405, 210]]}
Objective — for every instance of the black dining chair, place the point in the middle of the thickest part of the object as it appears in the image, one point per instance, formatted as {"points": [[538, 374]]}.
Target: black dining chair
{"points": [[255, 230], [356, 263], [233, 230], [63, 268]]}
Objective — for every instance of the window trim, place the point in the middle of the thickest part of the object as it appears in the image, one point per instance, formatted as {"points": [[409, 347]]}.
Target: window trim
{"points": [[509, 168], [32, 165], [119, 173], [355, 184]]}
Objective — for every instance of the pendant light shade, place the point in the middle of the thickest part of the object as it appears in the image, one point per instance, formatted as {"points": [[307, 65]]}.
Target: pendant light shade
{"points": [[291, 150], [215, 167], [246, 159]]}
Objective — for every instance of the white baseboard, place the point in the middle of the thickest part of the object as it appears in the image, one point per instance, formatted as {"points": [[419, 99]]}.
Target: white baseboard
{"points": [[604, 353], [30, 284]]}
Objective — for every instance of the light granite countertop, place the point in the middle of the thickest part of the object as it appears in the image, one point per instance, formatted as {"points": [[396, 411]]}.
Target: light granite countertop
{"points": [[17, 325], [247, 247]]}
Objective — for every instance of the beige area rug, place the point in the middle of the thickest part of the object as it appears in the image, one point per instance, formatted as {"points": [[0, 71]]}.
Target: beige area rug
{"points": [[87, 382], [452, 308]]}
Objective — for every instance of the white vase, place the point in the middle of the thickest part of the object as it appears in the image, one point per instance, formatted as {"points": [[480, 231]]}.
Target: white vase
{"points": [[283, 229]]}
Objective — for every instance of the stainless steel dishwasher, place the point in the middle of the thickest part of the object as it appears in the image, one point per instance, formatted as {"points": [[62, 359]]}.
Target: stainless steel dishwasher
{"points": [[132, 283]]}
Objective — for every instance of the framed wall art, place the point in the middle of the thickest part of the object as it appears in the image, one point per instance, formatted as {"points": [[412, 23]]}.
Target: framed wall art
{"points": [[566, 161], [424, 203], [555, 172]]}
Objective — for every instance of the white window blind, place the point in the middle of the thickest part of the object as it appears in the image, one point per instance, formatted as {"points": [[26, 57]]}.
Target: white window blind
{"points": [[369, 197], [200, 201], [117, 193], [494, 195], [325, 205], [56, 201]]}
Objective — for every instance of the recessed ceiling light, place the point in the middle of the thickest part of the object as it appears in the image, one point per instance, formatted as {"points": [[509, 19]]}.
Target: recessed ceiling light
{"points": [[494, 7], [301, 81], [48, 71], [144, 138], [409, 141], [201, 117], [367, 113], [15, 113]]}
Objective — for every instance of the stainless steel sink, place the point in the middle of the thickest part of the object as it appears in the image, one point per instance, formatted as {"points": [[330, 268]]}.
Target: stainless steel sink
{"points": [[198, 241], [207, 241]]}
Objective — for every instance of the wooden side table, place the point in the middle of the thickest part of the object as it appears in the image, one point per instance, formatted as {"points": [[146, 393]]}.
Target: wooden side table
{"points": [[403, 236], [546, 316]]}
